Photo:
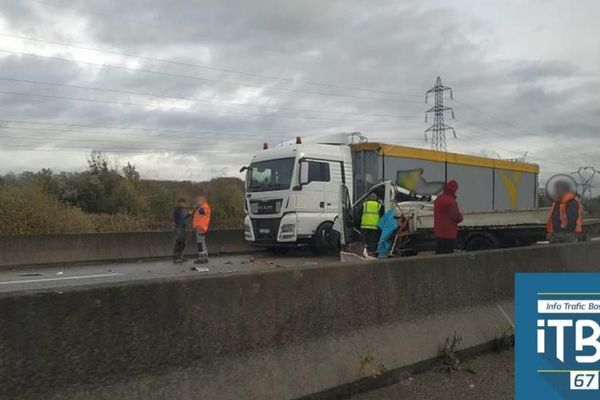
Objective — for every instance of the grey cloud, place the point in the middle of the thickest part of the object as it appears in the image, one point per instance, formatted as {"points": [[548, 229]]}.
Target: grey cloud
{"points": [[529, 71], [389, 46]]}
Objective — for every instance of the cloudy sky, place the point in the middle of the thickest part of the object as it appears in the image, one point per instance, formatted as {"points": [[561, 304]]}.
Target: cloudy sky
{"points": [[189, 89]]}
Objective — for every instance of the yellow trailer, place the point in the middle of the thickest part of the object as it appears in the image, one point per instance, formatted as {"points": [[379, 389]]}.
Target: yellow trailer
{"points": [[486, 184]]}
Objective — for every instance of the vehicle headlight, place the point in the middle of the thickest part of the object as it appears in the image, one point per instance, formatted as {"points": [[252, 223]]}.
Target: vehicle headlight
{"points": [[248, 235], [287, 231], [288, 228]]}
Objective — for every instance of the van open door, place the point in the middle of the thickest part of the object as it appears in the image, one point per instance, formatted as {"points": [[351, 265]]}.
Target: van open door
{"points": [[344, 222]]}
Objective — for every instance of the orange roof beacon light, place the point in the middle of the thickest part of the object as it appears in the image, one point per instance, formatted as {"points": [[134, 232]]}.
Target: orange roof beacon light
{"points": [[265, 146], [298, 140]]}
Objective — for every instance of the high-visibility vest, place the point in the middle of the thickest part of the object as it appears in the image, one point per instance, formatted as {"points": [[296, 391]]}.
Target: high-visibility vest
{"points": [[562, 210], [370, 214], [202, 221]]}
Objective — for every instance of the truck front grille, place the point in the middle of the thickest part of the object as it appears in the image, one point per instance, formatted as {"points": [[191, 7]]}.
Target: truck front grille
{"points": [[265, 206], [266, 229]]}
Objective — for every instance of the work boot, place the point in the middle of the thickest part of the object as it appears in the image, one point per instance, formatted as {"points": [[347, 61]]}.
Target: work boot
{"points": [[201, 261]]}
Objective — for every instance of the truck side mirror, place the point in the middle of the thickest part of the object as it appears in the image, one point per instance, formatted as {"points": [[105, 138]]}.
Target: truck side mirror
{"points": [[304, 173]]}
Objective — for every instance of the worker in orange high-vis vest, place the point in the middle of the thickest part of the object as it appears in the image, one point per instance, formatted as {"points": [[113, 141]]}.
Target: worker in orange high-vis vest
{"points": [[566, 216], [200, 223]]}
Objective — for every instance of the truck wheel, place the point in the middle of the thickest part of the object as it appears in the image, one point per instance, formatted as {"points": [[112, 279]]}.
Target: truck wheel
{"points": [[481, 241], [325, 240]]}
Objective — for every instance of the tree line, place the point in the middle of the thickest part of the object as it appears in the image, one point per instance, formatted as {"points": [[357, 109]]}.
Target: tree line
{"points": [[105, 198]]}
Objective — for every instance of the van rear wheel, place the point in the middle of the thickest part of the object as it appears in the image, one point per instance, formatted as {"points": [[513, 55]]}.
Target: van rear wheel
{"points": [[325, 240]]}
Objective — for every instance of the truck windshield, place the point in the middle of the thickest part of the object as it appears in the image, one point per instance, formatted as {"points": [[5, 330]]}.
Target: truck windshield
{"points": [[270, 175]]}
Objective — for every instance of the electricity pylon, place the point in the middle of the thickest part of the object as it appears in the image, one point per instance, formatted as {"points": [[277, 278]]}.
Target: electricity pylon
{"points": [[586, 177], [438, 129]]}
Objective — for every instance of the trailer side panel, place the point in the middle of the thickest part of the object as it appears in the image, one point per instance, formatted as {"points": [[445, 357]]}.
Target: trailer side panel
{"points": [[514, 190], [476, 186], [486, 184]]}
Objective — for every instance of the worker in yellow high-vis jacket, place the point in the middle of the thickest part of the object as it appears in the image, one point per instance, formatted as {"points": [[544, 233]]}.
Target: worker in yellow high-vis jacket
{"points": [[372, 210]]}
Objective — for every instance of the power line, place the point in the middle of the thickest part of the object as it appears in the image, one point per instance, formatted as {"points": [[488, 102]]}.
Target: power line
{"points": [[197, 78], [540, 140], [206, 67], [84, 144], [139, 138], [193, 99], [95, 145], [204, 134], [134, 128], [487, 113], [576, 150], [203, 138], [138, 141], [151, 105], [127, 148], [483, 128], [235, 137], [504, 121], [119, 150], [501, 135]]}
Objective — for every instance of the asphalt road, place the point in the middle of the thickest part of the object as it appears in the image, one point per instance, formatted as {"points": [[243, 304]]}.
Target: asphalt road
{"points": [[490, 376], [56, 277], [68, 276]]}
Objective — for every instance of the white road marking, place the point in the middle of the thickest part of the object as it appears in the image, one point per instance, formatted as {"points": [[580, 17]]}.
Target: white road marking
{"points": [[61, 278]]}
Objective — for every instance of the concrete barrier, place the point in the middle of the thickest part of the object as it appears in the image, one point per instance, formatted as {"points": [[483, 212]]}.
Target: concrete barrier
{"points": [[282, 334], [21, 250]]}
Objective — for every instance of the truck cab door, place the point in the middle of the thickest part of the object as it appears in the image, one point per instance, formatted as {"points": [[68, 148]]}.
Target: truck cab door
{"points": [[313, 179], [332, 190]]}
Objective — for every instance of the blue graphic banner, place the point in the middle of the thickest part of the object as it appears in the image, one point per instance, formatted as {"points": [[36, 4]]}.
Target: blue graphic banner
{"points": [[557, 332]]}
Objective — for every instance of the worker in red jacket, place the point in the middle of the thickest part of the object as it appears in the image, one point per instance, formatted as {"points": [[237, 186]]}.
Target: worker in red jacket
{"points": [[446, 217]]}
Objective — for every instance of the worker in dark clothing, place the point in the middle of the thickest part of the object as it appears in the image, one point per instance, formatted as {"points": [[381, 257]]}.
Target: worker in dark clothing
{"points": [[372, 211], [180, 217], [565, 221], [446, 217]]}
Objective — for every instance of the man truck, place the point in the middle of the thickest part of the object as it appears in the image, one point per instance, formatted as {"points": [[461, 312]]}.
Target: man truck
{"points": [[293, 190]]}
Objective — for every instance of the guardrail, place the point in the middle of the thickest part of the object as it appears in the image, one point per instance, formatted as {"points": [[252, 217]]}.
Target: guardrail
{"points": [[20, 250], [280, 334]]}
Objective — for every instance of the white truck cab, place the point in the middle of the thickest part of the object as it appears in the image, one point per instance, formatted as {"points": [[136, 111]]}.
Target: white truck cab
{"points": [[292, 192]]}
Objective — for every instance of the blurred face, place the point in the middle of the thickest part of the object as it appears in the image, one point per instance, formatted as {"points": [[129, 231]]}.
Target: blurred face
{"points": [[560, 189], [181, 204], [201, 200]]}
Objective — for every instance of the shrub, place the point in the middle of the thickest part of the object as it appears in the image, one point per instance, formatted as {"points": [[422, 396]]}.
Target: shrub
{"points": [[107, 199], [30, 210]]}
